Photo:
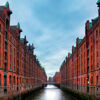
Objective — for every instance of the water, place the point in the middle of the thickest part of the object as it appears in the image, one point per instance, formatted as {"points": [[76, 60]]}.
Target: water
{"points": [[50, 93]]}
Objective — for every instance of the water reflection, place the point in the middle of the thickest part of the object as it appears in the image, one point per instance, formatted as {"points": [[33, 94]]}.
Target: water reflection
{"points": [[50, 93]]}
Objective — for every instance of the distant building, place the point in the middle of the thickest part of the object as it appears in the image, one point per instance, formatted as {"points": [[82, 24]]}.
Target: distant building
{"points": [[57, 78], [50, 79]]}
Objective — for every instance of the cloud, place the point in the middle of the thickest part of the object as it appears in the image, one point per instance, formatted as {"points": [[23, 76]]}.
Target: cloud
{"points": [[53, 26], [2, 2], [53, 62]]}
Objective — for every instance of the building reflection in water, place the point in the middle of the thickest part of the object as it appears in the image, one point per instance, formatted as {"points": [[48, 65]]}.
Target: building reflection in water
{"points": [[50, 93]]}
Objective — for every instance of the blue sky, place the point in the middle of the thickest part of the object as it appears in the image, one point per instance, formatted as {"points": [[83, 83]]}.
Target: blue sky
{"points": [[52, 25]]}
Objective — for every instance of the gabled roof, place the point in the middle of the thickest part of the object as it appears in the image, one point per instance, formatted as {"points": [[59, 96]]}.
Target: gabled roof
{"points": [[69, 55], [65, 61], [43, 68], [74, 48], [90, 25], [2, 10], [98, 1], [6, 5], [95, 19], [13, 29], [66, 57], [79, 41], [21, 40], [18, 25]]}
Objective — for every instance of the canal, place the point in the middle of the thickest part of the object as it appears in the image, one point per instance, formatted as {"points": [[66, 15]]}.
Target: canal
{"points": [[50, 92]]}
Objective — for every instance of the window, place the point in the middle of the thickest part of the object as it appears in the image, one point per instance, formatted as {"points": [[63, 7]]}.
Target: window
{"points": [[5, 45], [91, 58], [97, 44], [91, 67], [14, 68], [84, 46], [0, 79], [20, 80], [97, 64], [10, 56], [91, 48], [5, 56], [91, 38], [14, 80], [0, 50], [97, 54], [10, 67], [10, 80], [91, 80], [14, 59], [96, 33], [97, 80], [0, 27], [5, 80], [0, 40], [7, 24], [84, 81], [99, 33]]}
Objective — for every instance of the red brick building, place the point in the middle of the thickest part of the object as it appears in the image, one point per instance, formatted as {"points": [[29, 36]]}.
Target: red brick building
{"points": [[80, 71], [50, 79], [57, 78], [20, 71]]}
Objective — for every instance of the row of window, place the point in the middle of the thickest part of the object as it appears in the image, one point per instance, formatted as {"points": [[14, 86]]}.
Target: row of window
{"points": [[10, 80]]}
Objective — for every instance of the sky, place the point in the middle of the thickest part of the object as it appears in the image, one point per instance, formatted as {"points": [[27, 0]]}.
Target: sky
{"points": [[52, 26]]}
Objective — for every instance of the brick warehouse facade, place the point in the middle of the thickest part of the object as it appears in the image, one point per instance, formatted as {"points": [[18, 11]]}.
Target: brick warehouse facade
{"points": [[80, 71], [20, 71], [57, 78]]}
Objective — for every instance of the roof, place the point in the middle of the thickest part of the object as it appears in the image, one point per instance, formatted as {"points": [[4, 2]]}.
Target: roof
{"points": [[95, 19], [79, 41], [13, 29], [21, 40], [65, 61], [98, 1], [70, 54], [90, 25], [66, 57], [74, 48], [6, 5], [18, 25], [43, 68]]}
